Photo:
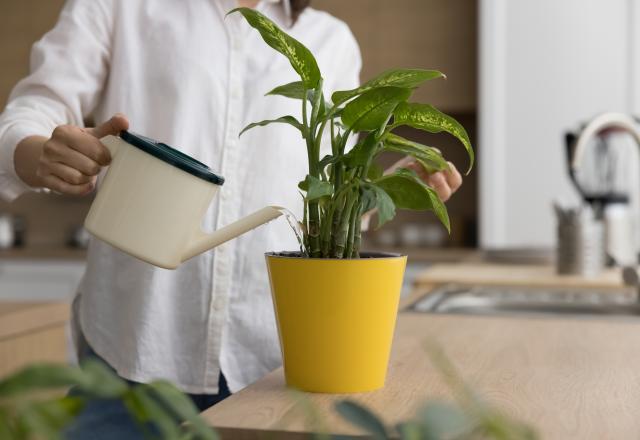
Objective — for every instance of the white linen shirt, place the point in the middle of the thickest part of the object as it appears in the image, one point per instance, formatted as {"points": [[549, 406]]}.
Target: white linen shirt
{"points": [[185, 75]]}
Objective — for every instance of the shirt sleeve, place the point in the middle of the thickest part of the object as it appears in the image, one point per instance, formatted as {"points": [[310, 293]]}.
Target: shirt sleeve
{"points": [[68, 68]]}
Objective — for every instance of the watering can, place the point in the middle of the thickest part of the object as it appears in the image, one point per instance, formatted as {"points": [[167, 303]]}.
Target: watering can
{"points": [[152, 199]]}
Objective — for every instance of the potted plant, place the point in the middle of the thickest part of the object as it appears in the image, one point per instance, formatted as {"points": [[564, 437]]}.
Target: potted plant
{"points": [[335, 306]]}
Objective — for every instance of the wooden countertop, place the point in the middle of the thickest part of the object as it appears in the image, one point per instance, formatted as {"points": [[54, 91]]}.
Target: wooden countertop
{"points": [[570, 378], [17, 318], [516, 275]]}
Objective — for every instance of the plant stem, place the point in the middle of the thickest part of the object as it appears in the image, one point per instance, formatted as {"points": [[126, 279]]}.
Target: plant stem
{"points": [[340, 238], [353, 221]]}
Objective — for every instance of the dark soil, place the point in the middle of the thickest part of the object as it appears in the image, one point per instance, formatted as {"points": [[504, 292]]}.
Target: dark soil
{"points": [[298, 254]]}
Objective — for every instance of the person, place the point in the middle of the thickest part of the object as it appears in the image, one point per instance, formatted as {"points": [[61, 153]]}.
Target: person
{"points": [[182, 73]]}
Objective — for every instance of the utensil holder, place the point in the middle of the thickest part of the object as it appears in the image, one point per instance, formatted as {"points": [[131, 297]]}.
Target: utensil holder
{"points": [[581, 246]]}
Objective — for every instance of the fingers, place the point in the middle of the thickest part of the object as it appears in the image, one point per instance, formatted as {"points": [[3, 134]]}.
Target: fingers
{"points": [[113, 126], [68, 174], [454, 178], [445, 182], [56, 151], [57, 184], [69, 137], [438, 181]]}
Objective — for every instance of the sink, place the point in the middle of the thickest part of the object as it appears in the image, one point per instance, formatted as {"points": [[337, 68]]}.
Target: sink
{"points": [[501, 300]]}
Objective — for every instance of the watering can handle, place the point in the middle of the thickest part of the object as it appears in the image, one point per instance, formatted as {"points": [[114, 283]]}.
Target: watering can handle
{"points": [[203, 241]]}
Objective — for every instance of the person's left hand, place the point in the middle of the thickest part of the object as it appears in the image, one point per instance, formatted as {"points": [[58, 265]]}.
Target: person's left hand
{"points": [[444, 182]]}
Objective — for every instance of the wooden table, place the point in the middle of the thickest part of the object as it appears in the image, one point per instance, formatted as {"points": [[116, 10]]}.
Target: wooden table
{"points": [[32, 332], [570, 378]]}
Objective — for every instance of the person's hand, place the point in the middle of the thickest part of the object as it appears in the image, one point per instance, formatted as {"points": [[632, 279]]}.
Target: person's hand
{"points": [[444, 182], [72, 157]]}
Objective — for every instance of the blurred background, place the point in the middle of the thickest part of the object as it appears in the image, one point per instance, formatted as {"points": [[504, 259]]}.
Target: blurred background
{"points": [[522, 75]]}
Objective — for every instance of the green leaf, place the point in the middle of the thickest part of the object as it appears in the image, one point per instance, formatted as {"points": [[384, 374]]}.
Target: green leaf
{"points": [[371, 109], [412, 431], [184, 408], [408, 191], [363, 151], [384, 203], [430, 158], [360, 416], [404, 78], [151, 411], [428, 118], [102, 381], [293, 90], [41, 376], [443, 420], [299, 56], [315, 188], [57, 413], [375, 171], [282, 120]]}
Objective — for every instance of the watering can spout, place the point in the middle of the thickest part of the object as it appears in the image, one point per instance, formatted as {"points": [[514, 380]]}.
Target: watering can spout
{"points": [[203, 241]]}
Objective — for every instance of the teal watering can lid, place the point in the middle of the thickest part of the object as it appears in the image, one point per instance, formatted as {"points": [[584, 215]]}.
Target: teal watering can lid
{"points": [[171, 156]]}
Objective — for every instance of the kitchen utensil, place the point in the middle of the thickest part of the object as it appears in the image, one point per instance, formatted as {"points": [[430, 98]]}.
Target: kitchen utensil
{"points": [[152, 201], [620, 238], [581, 242], [597, 180], [7, 233]]}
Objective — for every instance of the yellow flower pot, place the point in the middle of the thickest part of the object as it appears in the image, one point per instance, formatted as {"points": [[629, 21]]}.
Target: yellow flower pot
{"points": [[336, 319]]}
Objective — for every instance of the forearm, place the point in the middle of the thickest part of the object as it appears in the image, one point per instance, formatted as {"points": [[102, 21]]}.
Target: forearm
{"points": [[26, 158]]}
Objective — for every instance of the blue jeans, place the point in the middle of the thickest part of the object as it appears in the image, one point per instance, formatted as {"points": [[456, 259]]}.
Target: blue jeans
{"points": [[108, 419]]}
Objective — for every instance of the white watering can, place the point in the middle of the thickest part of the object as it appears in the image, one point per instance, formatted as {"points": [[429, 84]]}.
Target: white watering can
{"points": [[152, 201]]}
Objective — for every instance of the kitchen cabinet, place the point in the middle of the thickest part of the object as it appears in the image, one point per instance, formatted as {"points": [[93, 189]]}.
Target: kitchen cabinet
{"points": [[430, 34], [39, 280], [545, 67]]}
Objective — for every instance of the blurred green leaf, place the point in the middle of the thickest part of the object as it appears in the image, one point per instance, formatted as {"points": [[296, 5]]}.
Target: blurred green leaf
{"points": [[301, 59], [362, 417], [443, 420], [153, 413], [183, 408], [409, 192], [404, 78], [411, 431], [428, 118], [281, 120], [40, 377], [371, 109], [101, 381]]}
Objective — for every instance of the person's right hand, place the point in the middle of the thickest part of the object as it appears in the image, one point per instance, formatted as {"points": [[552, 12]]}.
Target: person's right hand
{"points": [[72, 158]]}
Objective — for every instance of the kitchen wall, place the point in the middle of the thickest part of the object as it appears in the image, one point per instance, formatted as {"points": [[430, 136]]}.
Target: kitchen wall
{"points": [[546, 66]]}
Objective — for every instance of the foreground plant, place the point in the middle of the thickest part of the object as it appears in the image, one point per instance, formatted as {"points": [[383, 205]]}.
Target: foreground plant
{"points": [[31, 405], [340, 187], [469, 417]]}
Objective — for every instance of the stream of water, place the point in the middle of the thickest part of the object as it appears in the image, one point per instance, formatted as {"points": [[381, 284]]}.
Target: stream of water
{"points": [[295, 226]]}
